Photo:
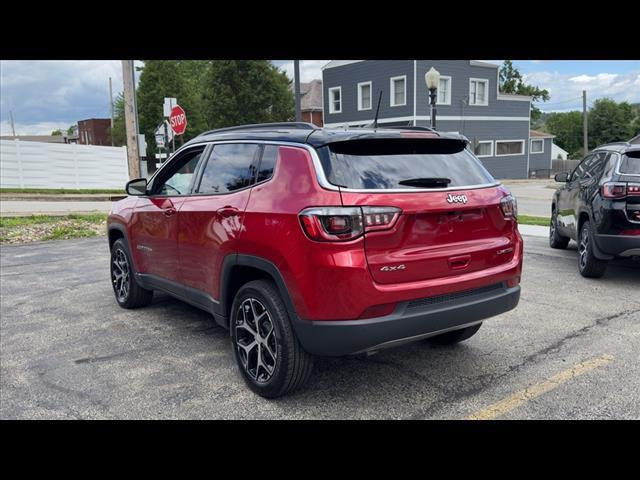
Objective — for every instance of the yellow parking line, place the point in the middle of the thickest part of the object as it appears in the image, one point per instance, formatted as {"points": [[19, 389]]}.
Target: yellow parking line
{"points": [[523, 396]]}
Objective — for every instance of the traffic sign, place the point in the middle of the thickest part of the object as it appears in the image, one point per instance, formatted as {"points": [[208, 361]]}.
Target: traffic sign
{"points": [[178, 120], [163, 134]]}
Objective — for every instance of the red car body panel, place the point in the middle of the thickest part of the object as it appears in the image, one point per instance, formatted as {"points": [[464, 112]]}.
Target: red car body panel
{"points": [[444, 248], [209, 228]]}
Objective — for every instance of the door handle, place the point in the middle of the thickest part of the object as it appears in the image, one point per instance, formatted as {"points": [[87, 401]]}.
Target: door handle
{"points": [[169, 211], [228, 211]]}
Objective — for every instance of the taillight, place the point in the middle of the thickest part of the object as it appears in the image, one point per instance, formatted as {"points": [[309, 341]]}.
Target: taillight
{"points": [[379, 218], [509, 206], [336, 224], [620, 189], [614, 190]]}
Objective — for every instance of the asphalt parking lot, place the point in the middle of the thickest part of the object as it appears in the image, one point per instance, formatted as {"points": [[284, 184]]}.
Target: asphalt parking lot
{"points": [[570, 350]]}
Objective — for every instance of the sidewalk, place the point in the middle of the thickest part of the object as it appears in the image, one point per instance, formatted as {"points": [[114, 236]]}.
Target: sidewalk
{"points": [[64, 197]]}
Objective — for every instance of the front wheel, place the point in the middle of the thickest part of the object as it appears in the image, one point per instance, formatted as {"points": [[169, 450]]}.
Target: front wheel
{"points": [[455, 336], [588, 265], [555, 239], [125, 287], [267, 351]]}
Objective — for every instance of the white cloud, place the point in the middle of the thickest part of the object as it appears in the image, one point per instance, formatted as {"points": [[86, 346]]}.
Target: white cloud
{"points": [[566, 90], [40, 128], [309, 69], [44, 93]]}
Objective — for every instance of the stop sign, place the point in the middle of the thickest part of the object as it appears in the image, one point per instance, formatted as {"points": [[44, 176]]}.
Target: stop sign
{"points": [[178, 120]]}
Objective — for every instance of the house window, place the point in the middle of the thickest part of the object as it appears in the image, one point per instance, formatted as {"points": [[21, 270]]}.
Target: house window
{"points": [[335, 100], [484, 149], [444, 91], [537, 146], [509, 147], [478, 91], [398, 91], [364, 96]]}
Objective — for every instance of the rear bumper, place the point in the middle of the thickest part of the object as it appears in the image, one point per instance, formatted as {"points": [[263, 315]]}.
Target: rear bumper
{"points": [[409, 322], [618, 245]]}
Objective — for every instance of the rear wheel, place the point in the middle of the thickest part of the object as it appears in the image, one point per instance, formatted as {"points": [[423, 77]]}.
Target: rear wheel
{"points": [[455, 336], [555, 239], [588, 264], [125, 287], [266, 349]]}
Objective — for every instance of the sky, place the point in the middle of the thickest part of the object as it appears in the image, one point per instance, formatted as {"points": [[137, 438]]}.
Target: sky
{"points": [[45, 95]]}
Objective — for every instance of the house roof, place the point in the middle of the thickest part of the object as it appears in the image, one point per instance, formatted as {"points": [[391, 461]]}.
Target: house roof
{"points": [[311, 95], [539, 134]]}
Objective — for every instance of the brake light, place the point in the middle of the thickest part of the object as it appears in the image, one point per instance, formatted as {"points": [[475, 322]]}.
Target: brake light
{"points": [[614, 190], [509, 206], [335, 224]]}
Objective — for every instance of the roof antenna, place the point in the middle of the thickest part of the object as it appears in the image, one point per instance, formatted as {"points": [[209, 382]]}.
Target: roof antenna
{"points": [[375, 120]]}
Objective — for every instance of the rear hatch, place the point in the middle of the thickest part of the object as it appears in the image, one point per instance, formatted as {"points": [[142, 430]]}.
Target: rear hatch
{"points": [[451, 219]]}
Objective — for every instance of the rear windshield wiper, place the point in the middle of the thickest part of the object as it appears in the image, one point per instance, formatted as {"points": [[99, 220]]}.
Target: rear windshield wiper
{"points": [[432, 182]]}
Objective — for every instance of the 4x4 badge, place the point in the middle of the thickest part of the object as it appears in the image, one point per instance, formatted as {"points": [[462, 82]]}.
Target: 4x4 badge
{"points": [[457, 198], [391, 268]]}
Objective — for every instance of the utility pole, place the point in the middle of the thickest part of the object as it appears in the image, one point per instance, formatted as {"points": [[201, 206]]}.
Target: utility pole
{"points": [[296, 88], [13, 127], [585, 139], [111, 108], [131, 118]]}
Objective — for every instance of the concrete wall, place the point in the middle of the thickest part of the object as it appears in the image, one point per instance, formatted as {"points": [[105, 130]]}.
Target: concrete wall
{"points": [[51, 165]]}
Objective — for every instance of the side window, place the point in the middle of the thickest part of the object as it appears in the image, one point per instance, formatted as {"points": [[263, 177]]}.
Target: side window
{"points": [[231, 166], [268, 162], [595, 166], [578, 173], [177, 179]]}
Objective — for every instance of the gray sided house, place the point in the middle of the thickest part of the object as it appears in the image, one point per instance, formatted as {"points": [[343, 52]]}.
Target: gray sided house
{"points": [[468, 103]]}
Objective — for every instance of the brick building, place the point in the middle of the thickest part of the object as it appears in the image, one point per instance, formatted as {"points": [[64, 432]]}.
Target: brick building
{"points": [[94, 131]]}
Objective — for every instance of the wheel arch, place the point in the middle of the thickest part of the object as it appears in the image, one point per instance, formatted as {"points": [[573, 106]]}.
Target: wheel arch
{"points": [[240, 269]]}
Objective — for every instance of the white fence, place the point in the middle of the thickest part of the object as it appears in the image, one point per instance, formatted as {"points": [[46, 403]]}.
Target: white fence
{"points": [[61, 165]]}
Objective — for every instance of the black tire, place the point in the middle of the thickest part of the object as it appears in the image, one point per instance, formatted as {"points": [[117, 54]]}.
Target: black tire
{"points": [[126, 290], [555, 239], [588, 265], [274, 375], [455, 336]]}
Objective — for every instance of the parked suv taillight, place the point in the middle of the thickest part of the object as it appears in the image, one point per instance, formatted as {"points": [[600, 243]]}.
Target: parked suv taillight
{"points": [[620, 189], [331, 224], [509, 206]]}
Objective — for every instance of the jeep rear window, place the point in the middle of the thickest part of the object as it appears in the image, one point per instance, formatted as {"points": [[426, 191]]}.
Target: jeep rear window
{"points": [[630, 163], [383, 163]]}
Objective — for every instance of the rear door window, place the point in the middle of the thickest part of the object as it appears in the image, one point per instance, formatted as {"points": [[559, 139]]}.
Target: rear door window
{"points": [[231, 166], [402, 164]]}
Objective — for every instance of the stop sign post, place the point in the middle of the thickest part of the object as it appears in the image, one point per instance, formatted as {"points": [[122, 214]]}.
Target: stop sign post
{"points": [[178, 120]]}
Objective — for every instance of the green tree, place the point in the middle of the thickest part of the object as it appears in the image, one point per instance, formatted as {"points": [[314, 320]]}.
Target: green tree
{"points": [[56, 133], [609, 121], [170, 78], [119, 133], [567, 127], [237, 92], [511, 81], [635, 126]]}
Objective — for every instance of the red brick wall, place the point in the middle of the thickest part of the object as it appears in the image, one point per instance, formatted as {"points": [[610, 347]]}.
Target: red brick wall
{"points": [[312, 117], [94, 131]]}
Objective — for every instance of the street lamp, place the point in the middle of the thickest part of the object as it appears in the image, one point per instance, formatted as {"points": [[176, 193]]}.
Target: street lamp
{"points": [[432, 79]]}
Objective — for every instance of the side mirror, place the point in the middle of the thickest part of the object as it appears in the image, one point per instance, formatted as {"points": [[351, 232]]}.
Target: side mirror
{"points": [[561, 177], [137, 186]]}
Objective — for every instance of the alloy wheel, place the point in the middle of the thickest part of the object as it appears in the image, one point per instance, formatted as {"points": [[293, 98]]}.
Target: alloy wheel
{"points": [[255, 340], [583, 248], [120, 275], [552, 226]]}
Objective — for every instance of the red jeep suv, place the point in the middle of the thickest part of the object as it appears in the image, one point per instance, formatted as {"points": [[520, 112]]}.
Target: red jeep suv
{"points": [[306, 241]]}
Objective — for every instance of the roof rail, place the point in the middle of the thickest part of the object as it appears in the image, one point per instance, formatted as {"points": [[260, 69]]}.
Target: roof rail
{"points": [[411, 127], [261, 126]]}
